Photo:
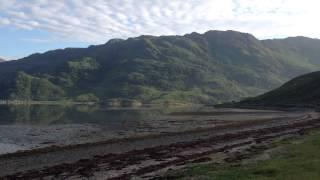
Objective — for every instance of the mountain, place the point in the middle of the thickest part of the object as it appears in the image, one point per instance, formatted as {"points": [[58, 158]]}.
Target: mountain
{"points": [[301, 91], [2, 60], [213, 67]]}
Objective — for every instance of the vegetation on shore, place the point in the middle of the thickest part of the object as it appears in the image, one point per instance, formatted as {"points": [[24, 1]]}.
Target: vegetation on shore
{"points": [[298, 159], [303, 91]]}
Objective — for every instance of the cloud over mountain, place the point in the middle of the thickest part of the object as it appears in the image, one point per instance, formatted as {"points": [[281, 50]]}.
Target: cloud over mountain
{"points": [[99, 20]]}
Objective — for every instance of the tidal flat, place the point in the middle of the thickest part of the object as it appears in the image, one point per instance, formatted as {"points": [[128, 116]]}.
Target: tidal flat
{"points": [[37, 126], [133, 142]]}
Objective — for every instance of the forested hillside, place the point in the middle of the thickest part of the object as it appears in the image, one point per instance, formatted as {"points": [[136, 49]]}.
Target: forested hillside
{"points": [[213, 67]]}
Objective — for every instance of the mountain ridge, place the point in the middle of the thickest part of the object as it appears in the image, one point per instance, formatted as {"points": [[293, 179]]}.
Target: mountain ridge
{"points": [[213, 67]]}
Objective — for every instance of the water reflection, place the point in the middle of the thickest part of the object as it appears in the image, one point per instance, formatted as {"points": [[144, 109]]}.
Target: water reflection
{"points": [[78, 114], [33, 126]]}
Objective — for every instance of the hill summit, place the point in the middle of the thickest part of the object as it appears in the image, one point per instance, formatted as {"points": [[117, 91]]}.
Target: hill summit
{"points": [[213, 67], [302, 91]]}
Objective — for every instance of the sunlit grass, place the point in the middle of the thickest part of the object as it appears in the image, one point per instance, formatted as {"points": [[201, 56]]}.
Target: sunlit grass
{"points": [[300, 161]]}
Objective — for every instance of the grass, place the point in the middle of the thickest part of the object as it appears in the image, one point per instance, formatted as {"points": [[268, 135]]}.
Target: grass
{"points": [[298, 161]]}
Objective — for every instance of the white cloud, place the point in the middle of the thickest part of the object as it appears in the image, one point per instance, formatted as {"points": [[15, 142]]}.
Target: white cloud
{"points": [[4, 21], [96, 21]]}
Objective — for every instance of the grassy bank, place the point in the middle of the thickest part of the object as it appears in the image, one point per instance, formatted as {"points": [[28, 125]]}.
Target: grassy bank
{"points": [[298, 159]]}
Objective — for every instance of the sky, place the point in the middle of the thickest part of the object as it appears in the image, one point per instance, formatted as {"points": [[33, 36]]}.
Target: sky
{"points": [[30, 26]]}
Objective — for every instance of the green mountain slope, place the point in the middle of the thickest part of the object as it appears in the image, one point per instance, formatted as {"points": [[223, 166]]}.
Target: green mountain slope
{"points": [[213, 67], [301, 91]]}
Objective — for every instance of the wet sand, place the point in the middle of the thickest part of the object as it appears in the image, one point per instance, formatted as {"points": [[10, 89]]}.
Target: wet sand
{"points": [[112, 158], [15, 138]]}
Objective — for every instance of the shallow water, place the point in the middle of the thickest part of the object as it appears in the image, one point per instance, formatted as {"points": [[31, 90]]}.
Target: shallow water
{"points": [[34, 126], [76, 114]]}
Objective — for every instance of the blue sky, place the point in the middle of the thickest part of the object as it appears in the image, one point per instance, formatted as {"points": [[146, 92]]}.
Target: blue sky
{"points": [[18, 43], [30, 26]]}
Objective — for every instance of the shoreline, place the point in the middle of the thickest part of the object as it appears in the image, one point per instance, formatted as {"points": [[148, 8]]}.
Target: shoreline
{"points": [[39, 136], [174, 140], [281, 158]]}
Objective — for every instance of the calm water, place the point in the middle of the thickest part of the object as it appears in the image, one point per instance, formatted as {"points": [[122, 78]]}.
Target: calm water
{"points": [[78, 114], [25, 127]]}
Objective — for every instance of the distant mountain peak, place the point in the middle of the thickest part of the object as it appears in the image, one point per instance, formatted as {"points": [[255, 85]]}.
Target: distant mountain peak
{"points": [[227, 32], [228, 35], [211, 67], [115, 40]]}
